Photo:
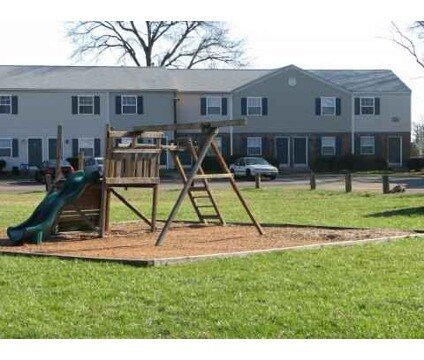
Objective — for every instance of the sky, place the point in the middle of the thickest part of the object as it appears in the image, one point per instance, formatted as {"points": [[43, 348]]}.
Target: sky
{"points": [[310, 44]]}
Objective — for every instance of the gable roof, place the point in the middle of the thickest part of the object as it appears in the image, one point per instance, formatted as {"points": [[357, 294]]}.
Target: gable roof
{"points": [[116, 78], [363, 80]]}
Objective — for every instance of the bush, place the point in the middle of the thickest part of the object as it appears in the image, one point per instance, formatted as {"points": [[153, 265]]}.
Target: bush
{"points": [[2, 164], [415, 163], [348, 162]]}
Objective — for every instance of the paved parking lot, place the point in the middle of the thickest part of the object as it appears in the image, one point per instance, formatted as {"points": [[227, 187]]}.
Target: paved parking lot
{"points": [[412, 184]]}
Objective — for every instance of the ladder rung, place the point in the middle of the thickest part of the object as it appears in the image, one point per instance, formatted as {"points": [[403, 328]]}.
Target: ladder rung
{"points": [[201, 197], [205, 217], [197, 188]]}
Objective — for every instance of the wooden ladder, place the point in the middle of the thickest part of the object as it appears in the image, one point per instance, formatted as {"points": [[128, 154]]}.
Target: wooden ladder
{"points": [[199, 193]]}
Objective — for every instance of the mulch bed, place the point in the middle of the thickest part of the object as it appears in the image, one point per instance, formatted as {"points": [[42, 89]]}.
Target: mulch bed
{"points": [[133, 241]]}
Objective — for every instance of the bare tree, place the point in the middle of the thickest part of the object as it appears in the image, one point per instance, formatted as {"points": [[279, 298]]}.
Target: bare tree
{"points": [[418, 136], [411, 43], [174, 44]]}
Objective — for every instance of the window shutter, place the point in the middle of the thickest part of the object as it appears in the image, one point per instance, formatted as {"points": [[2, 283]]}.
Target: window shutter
{"points": [[202, 106], [338, 145], [357, 106], [74, 104], [97, 147], [97, 105], [378, 146], [74, 147], [357, 144], [225, 146], [317, 106], [118, 109], [15, 148], [338, 106], [318, 151], [244, 107], [140, 105], [224, 106], [14, 104], [377, 105], [264, 106], [244, 146]]}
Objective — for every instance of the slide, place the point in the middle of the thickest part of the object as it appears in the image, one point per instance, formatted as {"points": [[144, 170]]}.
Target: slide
{"points": [[40, 223]]}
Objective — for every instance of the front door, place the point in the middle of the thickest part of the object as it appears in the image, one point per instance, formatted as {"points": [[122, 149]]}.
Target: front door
{"points": [[300, 151], [395, 150], [283, 153], [35, 152]]}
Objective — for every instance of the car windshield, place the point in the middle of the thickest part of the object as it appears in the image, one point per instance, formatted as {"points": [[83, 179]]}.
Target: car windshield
{"points": [[256, 161]]}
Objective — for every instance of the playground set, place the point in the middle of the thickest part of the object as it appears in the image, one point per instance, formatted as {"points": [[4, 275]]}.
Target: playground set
{"points": [[132, 160]]}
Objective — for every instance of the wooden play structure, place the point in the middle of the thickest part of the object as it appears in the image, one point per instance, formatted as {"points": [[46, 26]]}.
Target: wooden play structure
{"points": [[132, 160]]}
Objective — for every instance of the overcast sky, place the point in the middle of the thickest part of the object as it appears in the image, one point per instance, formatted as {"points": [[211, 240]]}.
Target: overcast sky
{"points": [[312, 44]]}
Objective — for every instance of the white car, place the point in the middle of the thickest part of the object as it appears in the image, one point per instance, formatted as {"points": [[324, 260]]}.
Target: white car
{"points": [[94, 164], [250, 166]]}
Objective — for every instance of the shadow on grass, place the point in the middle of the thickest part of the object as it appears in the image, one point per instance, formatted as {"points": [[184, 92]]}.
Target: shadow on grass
{"points": [[400, 212]]}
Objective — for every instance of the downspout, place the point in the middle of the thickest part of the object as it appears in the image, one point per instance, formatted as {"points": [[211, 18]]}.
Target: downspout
{"points": [[231, 128], [352, 125]]}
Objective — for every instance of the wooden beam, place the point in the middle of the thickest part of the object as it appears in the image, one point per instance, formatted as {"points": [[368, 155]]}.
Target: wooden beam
{"points": [[138, 213], [213, 176], [190, 126], [145, 134], [124, 150]]}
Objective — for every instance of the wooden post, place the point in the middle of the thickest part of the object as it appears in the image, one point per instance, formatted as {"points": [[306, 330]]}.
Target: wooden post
{"points": [[386, 184], [154, 207], [312, 181], [81, 160], [59, 151], [48, 181], [348, 182], [257, 181]]}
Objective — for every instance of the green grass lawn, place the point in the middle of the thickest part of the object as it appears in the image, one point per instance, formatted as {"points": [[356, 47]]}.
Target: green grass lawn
{"points": [[369, 291], [271, 205]]}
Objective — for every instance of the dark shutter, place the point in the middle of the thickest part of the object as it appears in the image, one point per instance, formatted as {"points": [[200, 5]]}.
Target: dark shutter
{"points": [[14, 104], [15, 148], [203, 106], [338, 145], [225, 141], [244, 146], [96, 147], [377, 106], [140, 105], [338, 106], [244, 106], [357, 106], [357, 144], [318, 150], [224, 106], [74, 147], [378, 145], [74, 104], [97, 105], [118, 108], [317, 106], [264, 106]]}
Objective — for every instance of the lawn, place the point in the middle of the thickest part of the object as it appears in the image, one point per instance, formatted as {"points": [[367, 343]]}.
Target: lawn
{"points": [[369, 291]]}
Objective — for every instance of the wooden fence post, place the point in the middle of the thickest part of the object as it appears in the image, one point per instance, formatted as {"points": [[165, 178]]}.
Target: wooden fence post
{"points": [[257, 181], [386, 184], [348, 182], [81, 160], [312, 181]]}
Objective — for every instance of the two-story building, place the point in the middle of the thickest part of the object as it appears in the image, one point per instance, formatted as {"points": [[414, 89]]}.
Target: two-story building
{"points": [[292, 114]]}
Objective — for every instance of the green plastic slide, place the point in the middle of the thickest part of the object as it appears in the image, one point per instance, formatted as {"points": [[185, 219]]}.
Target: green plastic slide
{"points": [[39, 224]]}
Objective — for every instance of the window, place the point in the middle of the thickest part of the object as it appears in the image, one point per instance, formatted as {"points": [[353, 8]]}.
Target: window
{"points": [[328, 146], [254, 146], [5, 104], [129, 104], [5, 147], [213, 105], [86, 145], [85, 104], [328, 105], [367, 145], [254, 106], [367, 106]]}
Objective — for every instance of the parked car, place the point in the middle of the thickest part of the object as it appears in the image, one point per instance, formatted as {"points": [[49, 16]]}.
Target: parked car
{"points": [[415, 163], [94, 164], [250, 166], [49, 167]]}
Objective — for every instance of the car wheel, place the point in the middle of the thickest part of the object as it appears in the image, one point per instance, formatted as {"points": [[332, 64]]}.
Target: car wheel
{"points": [[272, 177], [248, 174]]}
